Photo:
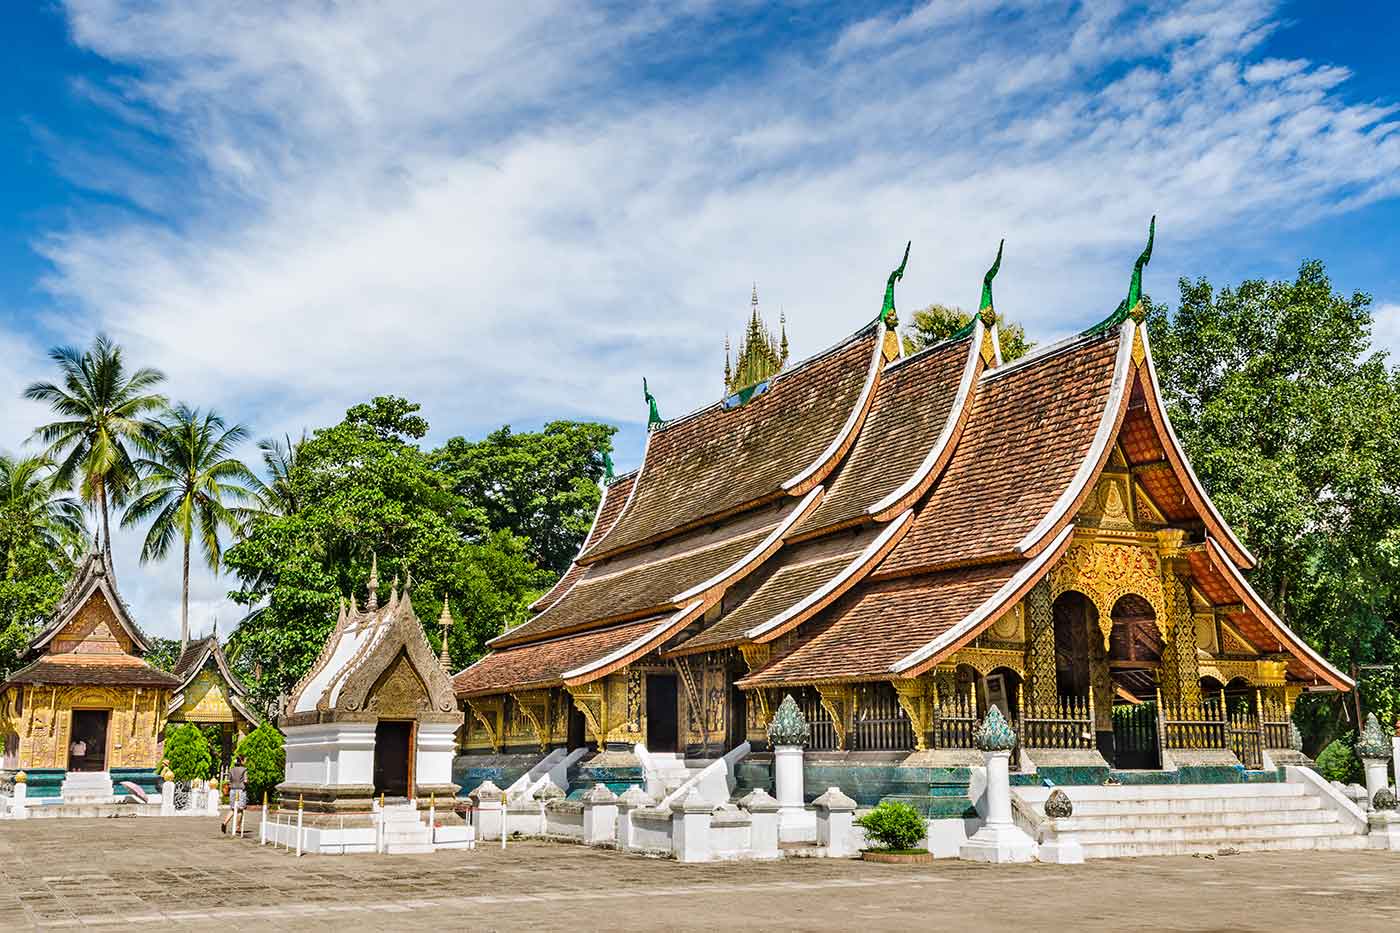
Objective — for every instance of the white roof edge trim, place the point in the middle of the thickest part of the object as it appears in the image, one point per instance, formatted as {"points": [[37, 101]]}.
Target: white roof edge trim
{"points": [[775, 535], [1040, 353], [990, 605], [954, 415], [632, 645], [1176, 444], [589, 545], [1239, 579], [846, 573], [996, 342], [1102, 438], [851, 421]]}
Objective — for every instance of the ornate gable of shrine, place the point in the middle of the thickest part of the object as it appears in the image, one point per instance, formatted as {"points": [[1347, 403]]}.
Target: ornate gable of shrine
{"points": [[209, 689], [376, 664]]}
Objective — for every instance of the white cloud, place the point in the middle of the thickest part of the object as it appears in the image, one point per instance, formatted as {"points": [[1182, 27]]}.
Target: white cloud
{"points": [[489, 212], [1385, 330]]}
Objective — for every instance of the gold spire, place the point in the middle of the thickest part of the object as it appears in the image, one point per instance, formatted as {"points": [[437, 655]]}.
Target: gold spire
{"points": [[760, 354], [445, 623]]}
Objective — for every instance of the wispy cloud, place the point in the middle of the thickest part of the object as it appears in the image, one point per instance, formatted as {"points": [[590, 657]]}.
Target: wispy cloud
{"points": [[514, 211]]}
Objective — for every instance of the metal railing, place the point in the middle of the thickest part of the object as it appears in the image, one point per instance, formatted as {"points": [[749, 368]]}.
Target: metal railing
{"points": [[1201, 725], [880, 724], [1067, 723]]}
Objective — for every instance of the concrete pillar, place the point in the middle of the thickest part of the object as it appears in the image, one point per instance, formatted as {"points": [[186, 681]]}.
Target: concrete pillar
{"points": [[763, 828], [1376, 775], [998, 839], [599, 816], [19, 803], [489, 816], [632, 798], [690, 828], [788, 781], [835, 818]]}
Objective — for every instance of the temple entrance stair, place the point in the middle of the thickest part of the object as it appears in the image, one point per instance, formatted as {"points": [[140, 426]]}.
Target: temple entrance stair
{"points": [[404, 830], [1186, 819], [671, 770], [87, 787]]}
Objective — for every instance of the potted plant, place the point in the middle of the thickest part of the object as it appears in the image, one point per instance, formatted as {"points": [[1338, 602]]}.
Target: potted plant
{"points": [[896, 829]]}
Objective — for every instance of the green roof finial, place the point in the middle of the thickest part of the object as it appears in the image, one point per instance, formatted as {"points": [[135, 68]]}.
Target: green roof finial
{"points": [[887, 313], [1135, 286], [986, 303], [653, 414], [609, 473], [1132, 305]]}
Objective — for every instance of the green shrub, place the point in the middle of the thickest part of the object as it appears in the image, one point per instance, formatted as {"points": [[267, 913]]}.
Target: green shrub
{"points": [[893, 825], [265, 760], [187, 750], [1339, 763]]}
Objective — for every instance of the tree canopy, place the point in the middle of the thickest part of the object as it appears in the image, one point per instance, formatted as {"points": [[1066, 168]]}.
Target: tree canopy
{"points": [[365, 489], [937, 323], [1293, 425], [542, 486]]}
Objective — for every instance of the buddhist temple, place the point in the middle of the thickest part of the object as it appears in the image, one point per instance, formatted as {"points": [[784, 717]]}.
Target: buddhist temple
{"points": [[902, 542], [210, 693], [86, 709], [374, 716]]}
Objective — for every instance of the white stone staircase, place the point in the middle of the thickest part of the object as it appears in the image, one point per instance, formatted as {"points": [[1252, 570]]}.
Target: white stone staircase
{"points": [[1183, 819], [87, 787], [405, 833], [671, 770]]}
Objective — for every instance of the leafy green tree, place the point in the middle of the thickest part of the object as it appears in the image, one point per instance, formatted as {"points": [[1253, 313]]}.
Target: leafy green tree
{"points": [[266, 761], [937, 323], [187, 473], [103, 411], [41, 533], [364, 488], [542, 486], [188, 752], [278, 493], [1293, 425], [163, 653]]}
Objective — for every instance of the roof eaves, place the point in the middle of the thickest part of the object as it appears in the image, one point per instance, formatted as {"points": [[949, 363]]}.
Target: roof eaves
{"points": [[638, 646]]}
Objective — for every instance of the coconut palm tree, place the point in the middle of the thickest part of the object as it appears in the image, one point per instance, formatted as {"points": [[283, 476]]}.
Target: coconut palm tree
{"points": [[33, 509], [104, 412], [278, 495], [187, 473]]}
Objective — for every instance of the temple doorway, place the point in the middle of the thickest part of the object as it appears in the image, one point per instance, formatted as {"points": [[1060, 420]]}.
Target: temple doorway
{"points": [[1134, 656], [1074, 615], [578, 728], [392, 757], [662, 732], [87, 744], [738, 718]]}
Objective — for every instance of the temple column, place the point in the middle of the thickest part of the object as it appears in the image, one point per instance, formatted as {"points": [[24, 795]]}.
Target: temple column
{"points": [[1181, 675], [1041, 687]]}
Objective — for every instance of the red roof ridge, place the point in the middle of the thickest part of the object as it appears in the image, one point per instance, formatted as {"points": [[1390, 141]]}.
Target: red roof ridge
{"points": [[1098, 452], [1162, 420], [1281, 631], [920, 660], [941, 451]]}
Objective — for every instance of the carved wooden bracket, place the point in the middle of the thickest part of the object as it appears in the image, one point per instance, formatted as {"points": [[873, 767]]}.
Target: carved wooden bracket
{"points": [[592, 701], [534, 706], [839, 702], [490, 712], [756, 656], [914, 699]]}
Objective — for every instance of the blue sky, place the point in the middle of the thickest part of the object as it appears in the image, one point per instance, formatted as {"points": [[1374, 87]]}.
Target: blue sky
{"points": [[511, 212]]}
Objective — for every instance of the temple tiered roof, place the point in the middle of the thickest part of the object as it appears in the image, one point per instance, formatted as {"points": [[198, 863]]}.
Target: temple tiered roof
{"points": [[867, 515]]}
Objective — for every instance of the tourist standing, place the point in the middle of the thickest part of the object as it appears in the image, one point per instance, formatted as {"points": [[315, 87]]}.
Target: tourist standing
{"points": [[237, 798]]}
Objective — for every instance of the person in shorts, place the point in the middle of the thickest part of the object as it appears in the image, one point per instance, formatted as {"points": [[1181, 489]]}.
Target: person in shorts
{"points": [[237, 795]]}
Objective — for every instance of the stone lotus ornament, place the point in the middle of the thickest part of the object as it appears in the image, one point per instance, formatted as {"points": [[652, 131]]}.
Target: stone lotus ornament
{"points": [[1384, 799], [1058, 805], [1373, 742], [789, 726], [21, 777], [994, 734]]}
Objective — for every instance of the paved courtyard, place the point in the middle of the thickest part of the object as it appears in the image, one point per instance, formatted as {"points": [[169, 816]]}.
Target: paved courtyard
{"points": [[180, 873]]}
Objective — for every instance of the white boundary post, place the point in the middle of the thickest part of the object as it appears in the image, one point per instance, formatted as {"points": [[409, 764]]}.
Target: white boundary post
{"points": [[300, 837], [262, 824]]}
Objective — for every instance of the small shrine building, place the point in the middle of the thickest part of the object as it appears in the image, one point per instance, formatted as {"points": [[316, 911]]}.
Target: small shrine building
{"points": [[86, 708], [374, 716], [902, 541], [211, 693]]}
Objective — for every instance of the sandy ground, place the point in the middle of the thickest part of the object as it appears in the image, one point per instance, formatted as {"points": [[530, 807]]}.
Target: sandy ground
{"points": [[181, 873]]}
